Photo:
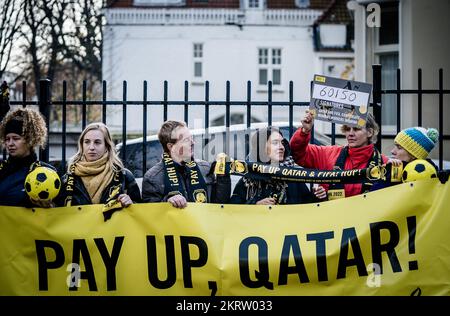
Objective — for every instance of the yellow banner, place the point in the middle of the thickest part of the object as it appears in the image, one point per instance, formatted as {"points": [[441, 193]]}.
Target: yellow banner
{"points": [[389, 242]]}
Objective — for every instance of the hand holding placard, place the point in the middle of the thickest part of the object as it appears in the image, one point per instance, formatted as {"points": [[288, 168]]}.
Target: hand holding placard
{"points": [[307, 121], [340, 101]]}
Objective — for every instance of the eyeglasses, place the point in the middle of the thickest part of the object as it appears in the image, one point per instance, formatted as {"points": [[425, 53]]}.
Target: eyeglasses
{"points": [[186, 140]]}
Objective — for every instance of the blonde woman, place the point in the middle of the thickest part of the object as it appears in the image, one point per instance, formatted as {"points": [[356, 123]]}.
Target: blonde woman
{"points": [[21, 131], [96, 174]]}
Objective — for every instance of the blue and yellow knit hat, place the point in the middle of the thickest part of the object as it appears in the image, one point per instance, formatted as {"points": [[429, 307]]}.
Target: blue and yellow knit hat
{"points": [[418, 141]]}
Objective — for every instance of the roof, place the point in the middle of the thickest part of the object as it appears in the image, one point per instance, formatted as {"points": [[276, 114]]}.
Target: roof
{"points": [[335, 13], [290, 4]]}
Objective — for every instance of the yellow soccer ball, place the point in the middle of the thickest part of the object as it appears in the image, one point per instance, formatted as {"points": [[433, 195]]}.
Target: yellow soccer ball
{"points": [[42, 184], [418, 169]]}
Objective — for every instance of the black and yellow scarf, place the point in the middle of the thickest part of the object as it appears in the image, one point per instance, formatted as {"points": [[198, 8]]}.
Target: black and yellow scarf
{"points": [[195, 190], [260, 189], [336, 190]]}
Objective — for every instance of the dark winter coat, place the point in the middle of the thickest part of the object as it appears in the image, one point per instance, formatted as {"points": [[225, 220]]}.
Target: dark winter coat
{"points": [[13, 173], [296, 193], [219, 189]]}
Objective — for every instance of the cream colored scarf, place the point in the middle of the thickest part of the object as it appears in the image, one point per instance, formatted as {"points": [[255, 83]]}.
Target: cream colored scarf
{"points": [[96, 176]]}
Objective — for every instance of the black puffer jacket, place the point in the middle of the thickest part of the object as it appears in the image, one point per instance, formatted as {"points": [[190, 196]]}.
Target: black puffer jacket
{"points": [[13, 173], [296, 193], [80, 196]]}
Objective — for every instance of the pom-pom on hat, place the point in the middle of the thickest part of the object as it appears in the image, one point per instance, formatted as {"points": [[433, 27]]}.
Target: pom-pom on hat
{"points": [[418, 141]]}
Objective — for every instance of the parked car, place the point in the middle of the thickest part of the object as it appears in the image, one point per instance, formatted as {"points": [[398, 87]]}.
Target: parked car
{"points": [[206, 146]]}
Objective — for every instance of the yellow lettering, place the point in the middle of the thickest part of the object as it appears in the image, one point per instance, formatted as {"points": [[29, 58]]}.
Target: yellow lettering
{"points": [[171, 173], [194, 176], [273, 170]]}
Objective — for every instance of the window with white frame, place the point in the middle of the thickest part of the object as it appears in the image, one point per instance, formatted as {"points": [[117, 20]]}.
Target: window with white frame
{"points": [[386, 49], [198, 60], [269, 64], [302, 3], [254, 4]]}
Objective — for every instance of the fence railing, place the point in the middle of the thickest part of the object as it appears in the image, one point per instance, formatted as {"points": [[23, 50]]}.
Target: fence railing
{"points": [[398, 92], [204, 16], [45, 102]]}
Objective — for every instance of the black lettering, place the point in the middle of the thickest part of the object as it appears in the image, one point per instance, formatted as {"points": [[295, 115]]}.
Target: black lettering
{"points": [[153, 263], [321, 253], [349, 234], [389, 247], [110, 261], [80, 250], [188, 263], [262, 275], [291, 242], [43, 264]]}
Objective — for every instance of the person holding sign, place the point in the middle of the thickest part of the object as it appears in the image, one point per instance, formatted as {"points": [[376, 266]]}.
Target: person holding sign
{"points": [[20, 131], [359, 153], [179, 178], [269, 146], [96, 175]]}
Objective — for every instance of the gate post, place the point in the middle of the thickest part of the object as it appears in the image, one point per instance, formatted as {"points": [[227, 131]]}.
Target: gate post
{"points": [[44, 108], [4, 100], [376, 79]]}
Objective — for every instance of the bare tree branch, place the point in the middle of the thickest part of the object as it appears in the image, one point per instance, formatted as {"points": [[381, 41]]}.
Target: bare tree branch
{"points": [[10, 23], [83, 46]]}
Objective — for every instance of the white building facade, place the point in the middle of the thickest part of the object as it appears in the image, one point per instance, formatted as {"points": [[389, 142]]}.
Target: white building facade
{"points": [[411, 34], [238, 41]]}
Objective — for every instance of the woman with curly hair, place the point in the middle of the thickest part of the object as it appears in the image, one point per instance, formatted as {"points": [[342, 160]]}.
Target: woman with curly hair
{"points": [[21, 131], [96, 175]]}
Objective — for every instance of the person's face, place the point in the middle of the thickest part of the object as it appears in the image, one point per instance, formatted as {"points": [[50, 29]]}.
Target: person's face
{"points": [[93, 145], [398, 152], [182, 147], [16, 145], [357, 137], [275, 148]]}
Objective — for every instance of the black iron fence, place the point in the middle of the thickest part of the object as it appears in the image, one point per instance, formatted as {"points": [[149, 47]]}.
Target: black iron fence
{"points": [[46, 102], [419, 92]]}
